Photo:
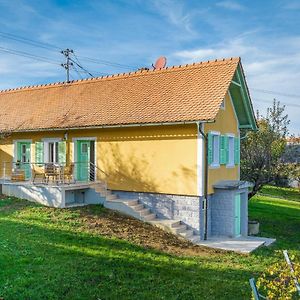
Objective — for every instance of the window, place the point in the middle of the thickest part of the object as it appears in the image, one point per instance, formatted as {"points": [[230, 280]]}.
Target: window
{"points": [[223, 104], [23, 153], [214, 149], [53, 152], [230, 162]]}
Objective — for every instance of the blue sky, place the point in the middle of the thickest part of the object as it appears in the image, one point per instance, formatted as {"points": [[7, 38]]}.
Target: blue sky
{"points": [[266, 34]]}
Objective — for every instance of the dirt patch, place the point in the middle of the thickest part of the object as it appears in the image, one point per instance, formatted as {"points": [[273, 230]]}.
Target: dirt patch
{"points": [[114, 224]]}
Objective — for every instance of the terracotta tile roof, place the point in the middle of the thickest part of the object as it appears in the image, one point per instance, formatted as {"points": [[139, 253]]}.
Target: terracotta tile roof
{"points": [[183, 93]]}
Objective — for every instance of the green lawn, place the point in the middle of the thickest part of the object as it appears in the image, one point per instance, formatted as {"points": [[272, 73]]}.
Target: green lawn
{"points": [[285, 193], [49, 253]]}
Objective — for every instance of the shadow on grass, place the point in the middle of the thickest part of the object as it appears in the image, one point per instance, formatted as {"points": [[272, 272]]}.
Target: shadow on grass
{"points": [[49, 263]]}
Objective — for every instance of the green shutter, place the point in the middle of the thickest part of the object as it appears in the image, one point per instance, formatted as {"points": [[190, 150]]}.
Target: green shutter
{"points": [[62, 152], [223, 149], [236, 150], [39, 152], [209, 148]]}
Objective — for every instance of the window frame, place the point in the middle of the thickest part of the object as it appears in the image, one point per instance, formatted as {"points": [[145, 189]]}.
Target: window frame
{"points": [[231, 164], [47, 142], [215, 164]]}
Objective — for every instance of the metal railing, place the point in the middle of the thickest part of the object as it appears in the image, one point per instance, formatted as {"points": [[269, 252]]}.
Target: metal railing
{"points": [[47, 173]]}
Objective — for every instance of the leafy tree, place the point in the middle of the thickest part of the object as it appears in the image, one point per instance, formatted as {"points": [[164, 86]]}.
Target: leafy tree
{"points": [[261, 150]]}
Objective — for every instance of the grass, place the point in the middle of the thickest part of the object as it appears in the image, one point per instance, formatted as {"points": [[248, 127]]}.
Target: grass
{"points": [[48, 253], [292, 194]]}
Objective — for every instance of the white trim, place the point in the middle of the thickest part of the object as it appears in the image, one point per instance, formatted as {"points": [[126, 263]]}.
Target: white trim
{"points": [[232, 165], [46, 142], [200, 160], [215, 165], [15, 148], [236, 83]]}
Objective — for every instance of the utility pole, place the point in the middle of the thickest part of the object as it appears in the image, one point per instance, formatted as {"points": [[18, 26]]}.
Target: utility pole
{"points": [[67, 64]]}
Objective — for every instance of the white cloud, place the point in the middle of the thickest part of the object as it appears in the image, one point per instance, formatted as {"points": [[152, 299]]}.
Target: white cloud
{"points": [[267, 66], [232, 5]]}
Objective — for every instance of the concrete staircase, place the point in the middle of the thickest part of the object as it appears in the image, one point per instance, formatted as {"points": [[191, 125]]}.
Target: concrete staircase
{"points": [[134, 208]]}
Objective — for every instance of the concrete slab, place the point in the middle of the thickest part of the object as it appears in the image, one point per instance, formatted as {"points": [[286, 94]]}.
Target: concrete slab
{"points": [[239, 244]]}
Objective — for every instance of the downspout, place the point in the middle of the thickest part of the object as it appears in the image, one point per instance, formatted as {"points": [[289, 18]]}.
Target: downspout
{"points": [[205, 187]]}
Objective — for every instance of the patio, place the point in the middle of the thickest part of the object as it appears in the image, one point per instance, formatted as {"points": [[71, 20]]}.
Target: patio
{"points": [[53, 194], [240, 244]]}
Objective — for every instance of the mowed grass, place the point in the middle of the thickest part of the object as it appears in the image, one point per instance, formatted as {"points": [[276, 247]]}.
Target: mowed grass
{"points": [[292, 194], [48, 253]]}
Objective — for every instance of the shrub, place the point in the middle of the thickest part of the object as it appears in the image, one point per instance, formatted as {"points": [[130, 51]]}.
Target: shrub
{"points": [[278, 283]]}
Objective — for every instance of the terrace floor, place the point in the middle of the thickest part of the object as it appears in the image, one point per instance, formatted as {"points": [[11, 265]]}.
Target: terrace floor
{"points": [[239, 244]]}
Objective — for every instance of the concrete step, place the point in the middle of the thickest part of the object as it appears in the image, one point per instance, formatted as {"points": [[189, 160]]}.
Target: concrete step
{"points": [[149, 217], [194, 239], [144, 212], [179, 228], [111, 197], [187, 233], [132, 202], [138, 207]]}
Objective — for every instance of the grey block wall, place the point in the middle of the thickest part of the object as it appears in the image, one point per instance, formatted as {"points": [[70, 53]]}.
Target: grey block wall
{"points": [[222, 205], [184, 208]]}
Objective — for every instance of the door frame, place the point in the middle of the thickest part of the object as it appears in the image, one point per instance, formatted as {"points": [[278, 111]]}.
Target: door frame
{"points": [[240, 214], [75, 154]]}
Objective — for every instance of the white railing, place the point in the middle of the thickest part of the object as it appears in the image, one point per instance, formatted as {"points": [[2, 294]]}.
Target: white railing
{"points": [[46, 173]]}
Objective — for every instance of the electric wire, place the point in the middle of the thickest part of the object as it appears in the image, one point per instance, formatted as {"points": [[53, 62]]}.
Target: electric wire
{"points": [[274, 92], [28, 41], [28, 55]]}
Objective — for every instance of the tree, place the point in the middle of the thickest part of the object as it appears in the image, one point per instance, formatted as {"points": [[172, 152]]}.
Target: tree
{"points": [[261, 150]]}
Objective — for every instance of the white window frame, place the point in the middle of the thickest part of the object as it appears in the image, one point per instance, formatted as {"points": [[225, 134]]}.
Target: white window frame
{"points": [[216, 162], [46, 142], [230, 164]]}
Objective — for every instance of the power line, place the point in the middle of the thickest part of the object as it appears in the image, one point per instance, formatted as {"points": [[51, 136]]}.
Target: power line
{"points": [[278, 93], [78, 73], [28, 55], [81, 67], [52, 47], [107, 63], [271, 101], [28, 41]]}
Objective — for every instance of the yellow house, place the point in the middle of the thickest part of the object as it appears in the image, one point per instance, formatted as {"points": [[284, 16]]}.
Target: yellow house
{"points": [[166, 139]]}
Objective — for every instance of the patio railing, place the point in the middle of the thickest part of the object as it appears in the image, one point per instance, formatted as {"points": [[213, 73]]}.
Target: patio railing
{"points": [[48, 173]]}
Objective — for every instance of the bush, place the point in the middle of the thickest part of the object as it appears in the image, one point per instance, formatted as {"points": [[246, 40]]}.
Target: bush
{"points": [[278, 283]]}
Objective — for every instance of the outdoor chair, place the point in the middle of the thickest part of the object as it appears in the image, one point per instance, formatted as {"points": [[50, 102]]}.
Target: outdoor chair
{"points": [[68, 173], [38, 172], [51, 173]]}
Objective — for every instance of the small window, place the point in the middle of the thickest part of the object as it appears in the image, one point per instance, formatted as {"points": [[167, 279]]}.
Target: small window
{"points": [[23, 155], [223, 104], [53, 152], [230, 151], [216, 150], [84, 148]]}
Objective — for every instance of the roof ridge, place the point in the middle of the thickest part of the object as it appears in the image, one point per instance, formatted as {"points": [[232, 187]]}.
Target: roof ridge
{"points": [[121, 75]]}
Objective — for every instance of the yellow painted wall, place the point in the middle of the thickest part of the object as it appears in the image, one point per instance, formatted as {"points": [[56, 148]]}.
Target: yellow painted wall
{"points": [[161, 159], [225, 122]]}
